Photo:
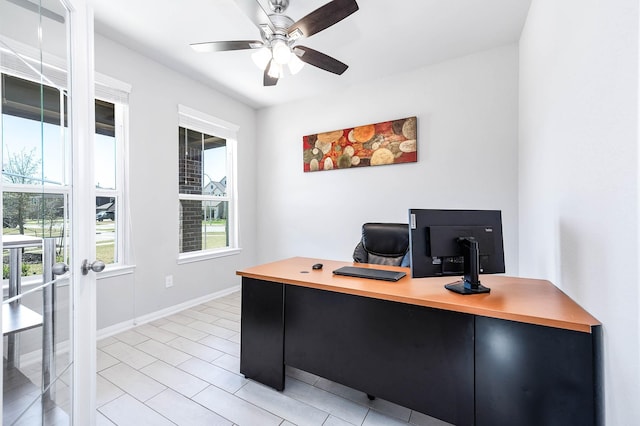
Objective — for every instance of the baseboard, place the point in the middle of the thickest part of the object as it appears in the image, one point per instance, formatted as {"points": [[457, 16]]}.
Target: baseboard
{"points": [[127, 325]]}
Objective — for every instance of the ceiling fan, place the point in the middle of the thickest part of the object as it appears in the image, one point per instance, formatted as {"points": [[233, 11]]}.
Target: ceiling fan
{"points": [[280, 35]]}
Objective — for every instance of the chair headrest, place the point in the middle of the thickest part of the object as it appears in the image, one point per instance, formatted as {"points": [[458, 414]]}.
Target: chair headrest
{"points": [[386, 239]]}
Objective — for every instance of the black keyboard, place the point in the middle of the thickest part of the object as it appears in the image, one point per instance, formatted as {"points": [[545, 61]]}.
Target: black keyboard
{"points": [[374, 274]]}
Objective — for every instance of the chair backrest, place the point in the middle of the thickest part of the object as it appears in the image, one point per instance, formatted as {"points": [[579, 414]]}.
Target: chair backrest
{"points": [[383, 244]]}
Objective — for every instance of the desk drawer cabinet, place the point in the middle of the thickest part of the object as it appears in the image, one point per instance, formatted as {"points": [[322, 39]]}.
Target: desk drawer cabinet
{"points": [[531, 375], [262, 336], [417, 357]]}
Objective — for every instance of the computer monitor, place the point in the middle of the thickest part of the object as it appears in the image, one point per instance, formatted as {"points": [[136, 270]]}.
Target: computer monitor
{"points": [[456, 242]]}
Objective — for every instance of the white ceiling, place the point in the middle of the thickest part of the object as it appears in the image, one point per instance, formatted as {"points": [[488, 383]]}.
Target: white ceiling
{"points": [[380, 39]]}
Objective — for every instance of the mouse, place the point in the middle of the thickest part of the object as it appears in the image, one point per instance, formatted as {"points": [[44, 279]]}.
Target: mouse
{"points": [[317, 266]]}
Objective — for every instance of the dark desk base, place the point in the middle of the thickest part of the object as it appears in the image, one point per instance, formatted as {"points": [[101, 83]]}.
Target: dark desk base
{"points": [[461, 368]]}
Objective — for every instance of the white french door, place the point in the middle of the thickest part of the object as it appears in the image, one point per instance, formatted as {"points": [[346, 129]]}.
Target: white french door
{"points": [[48, 212], [83, 211]]}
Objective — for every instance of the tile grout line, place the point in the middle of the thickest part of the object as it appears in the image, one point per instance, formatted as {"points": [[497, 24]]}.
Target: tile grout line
{"points": [[218, 322]]}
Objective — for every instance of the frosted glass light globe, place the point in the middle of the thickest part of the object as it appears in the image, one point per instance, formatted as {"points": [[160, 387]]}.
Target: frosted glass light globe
{"points": [[275, 69], [295, 64], [281, 52], [261, 57]]}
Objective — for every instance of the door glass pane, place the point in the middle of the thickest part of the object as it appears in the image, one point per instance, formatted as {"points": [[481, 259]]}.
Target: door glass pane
{"points": [[40, 215], [35, 206], [30, 136]]}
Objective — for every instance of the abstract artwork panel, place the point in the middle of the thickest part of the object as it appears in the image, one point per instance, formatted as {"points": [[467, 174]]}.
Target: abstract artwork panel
{"points": [[389, 142]]}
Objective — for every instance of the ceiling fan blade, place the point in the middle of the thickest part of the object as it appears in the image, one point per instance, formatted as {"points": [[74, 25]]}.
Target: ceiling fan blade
{"points": [[324, 17], [222, 46], [256, 13], [267, 80], [320, 60]]}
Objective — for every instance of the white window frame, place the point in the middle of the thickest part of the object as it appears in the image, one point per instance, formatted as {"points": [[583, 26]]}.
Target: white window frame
{"points": [[120, 192], [200, 122]]}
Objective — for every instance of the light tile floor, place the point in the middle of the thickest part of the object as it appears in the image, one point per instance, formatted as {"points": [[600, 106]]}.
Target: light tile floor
{"points": [[185, 369]]}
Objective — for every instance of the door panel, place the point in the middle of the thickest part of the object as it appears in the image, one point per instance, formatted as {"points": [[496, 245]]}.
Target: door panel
{"points": [[41, 216]]}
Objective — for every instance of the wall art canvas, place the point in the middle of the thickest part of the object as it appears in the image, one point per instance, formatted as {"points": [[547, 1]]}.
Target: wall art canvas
{"points": [[389, 142]]}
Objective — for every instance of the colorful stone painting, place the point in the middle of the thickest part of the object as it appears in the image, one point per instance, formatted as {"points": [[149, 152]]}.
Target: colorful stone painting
{"points": [[390, 142]]}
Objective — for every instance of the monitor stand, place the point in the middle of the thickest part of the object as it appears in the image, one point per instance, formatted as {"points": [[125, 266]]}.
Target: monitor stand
{"points": [[470, 284], [463, 287]]}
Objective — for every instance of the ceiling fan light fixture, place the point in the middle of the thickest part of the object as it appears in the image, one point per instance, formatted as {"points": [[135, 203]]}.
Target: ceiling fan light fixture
{"points": [[261, 57], [281, 52], [275, 69], [279, 35], [295, 64]]}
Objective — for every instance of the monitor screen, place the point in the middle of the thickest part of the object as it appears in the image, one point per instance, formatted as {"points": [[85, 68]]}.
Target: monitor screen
{"points": [[437, 241]]}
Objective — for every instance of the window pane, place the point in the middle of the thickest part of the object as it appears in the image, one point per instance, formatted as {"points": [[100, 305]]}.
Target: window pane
{"points": [[106, 226], [190, 225], [105, 161], [190, 155], [215, 231], [203, 163], [37, 215], [29, 137], [24, 151], [105, 146], [203, 225], [215, 166]]}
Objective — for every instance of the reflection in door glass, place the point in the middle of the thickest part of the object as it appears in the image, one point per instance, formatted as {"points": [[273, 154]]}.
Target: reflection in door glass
{"points": [[35, 196]]}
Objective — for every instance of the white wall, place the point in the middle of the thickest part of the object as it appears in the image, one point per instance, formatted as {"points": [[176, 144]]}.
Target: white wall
{"points": [[156, 93], [579, 172], [467, 112]]}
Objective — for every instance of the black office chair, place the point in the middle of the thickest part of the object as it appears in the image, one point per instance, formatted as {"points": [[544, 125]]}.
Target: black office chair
{"points": [[383, 244]]}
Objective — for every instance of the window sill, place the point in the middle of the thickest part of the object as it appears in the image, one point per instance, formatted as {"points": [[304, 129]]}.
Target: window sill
{"points": [[200, 256]]}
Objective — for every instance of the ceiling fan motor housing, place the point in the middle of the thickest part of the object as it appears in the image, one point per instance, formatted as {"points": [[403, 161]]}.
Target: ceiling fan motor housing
{"points": [[281, 22]]}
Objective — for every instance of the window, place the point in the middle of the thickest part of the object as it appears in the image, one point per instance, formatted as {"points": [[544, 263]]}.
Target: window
{"points": [[109, 152], [36, 166], [206, 148], [35, 190]]}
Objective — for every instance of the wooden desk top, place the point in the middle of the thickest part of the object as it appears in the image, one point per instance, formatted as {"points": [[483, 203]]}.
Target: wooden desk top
{"points": [[517, 299]]}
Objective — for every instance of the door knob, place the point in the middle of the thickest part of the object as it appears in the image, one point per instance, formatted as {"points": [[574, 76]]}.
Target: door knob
{"points": [[59, 268], [95, 266]]}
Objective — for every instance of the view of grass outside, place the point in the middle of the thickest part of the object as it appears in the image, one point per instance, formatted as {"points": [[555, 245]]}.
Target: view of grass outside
{"points": [[214, 236], [105, 252], [32, 257]]}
